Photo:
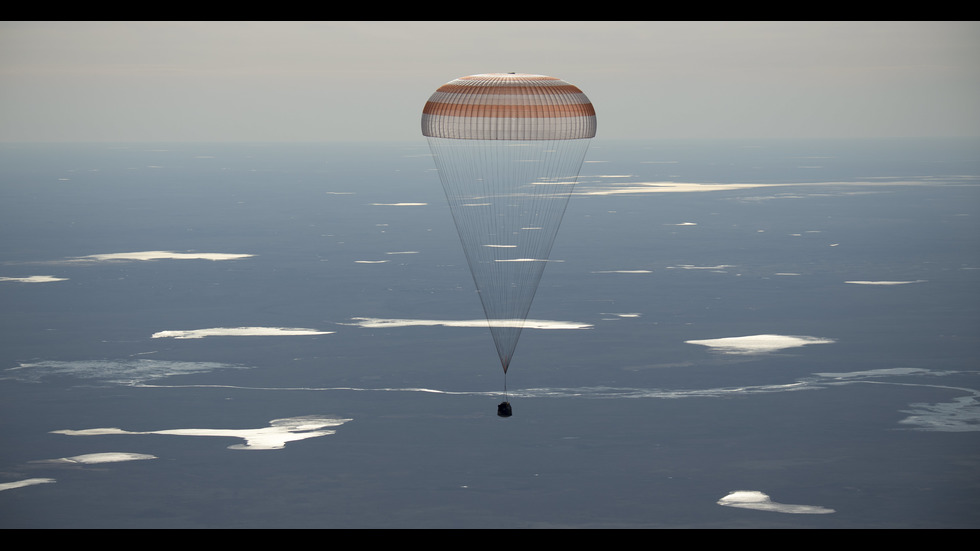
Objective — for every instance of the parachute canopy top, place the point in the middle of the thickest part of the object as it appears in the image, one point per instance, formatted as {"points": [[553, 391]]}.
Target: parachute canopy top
{"points": [[508, 106]]}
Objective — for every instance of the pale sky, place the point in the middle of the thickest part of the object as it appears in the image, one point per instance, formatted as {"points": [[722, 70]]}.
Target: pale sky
{"points": [[358, 81]]}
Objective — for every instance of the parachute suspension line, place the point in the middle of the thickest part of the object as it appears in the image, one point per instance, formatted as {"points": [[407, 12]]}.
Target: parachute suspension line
{"points": [[508, 148], [507, 199]]}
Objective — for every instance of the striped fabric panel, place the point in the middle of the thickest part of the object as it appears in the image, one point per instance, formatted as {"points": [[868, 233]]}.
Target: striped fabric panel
{"points": [[508, 106]]}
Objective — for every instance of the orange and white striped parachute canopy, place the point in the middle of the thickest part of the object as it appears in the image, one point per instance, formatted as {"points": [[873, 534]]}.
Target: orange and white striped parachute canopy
{"points": [[508, 106]]}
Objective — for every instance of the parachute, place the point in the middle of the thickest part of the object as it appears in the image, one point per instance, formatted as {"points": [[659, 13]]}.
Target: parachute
{"points": [[508, 148]]}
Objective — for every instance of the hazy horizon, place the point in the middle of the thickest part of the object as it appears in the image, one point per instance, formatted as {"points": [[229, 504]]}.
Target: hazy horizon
{"points": [[281, 81]]}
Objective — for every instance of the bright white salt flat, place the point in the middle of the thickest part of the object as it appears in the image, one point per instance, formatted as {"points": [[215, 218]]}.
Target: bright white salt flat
{"points": [[162, 255], [622, 315], [34, 279], [693, 267], [750, 499], [667, 187], [273, 437], [106, 457], [238, 332], [886, 282], [527, 324], [25, 482], [758, 344], [632, 188]]}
